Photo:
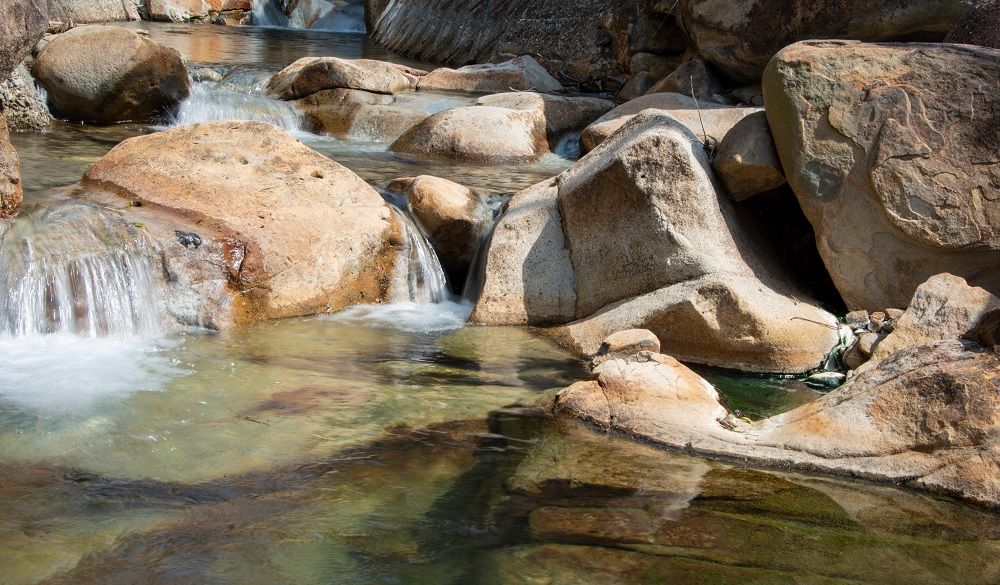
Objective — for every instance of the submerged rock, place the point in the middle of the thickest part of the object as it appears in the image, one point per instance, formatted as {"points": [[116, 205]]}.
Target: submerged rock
{"points": [[109, 74], [520, 74], [665, 253], [11, 190], [285, 231], [741, 37], [897, 175], [482, 134], [309, 75], [453, 216], [709, 122]]}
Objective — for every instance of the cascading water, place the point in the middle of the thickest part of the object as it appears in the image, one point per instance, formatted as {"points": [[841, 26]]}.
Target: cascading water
{"points": [[419, 276], [477, 271], [74, 268], [347, 16], [208, 102]]}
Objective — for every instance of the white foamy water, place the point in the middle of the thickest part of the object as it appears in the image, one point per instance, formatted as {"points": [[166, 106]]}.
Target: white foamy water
{"points": [[408, 316], [207, 103], [68, 374]]}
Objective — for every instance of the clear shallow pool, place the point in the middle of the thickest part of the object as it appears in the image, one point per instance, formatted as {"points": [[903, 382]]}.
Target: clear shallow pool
{"points": [[394, 444]]}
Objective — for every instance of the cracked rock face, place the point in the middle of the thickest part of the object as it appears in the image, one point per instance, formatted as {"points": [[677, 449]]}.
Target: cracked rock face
{"points": [[241, 214], [894, 155]]}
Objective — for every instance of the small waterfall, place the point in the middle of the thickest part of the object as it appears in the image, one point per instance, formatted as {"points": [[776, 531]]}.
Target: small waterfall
{"points": [[477, 270], [208, 102], [419, 276], [346, 16], [75, 268]]}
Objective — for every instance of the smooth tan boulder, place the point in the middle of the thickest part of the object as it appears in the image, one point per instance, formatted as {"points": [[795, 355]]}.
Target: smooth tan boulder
{"points": [[251, 224], [945, 307], [898, 176], [666, 253], [741, 37], [11, 190], [746, 162], [453, 216], [482, 134], [109, 74], [705, 120], [562, 114], [361, 115], [520, 74], [309, 75]]}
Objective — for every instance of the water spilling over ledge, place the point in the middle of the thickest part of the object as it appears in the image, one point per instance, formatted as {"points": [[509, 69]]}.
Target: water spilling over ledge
{"points": [[75, 268]]}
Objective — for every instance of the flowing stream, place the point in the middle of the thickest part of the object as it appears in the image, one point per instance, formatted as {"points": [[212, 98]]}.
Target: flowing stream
{"points": [[385, 444]]}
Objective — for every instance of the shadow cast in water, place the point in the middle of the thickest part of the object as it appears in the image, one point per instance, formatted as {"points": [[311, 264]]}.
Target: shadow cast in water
{"points": [[523, 496]]}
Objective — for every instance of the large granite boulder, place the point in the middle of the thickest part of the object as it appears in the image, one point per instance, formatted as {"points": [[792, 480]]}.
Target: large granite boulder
{"points": [[251, 224], [109, 74], [709, 122], [739, 38], [480, 134], [309, 75], [563, 114], [980, 26], [637, 235], [22, 23], [898, 175], [520, 74]]}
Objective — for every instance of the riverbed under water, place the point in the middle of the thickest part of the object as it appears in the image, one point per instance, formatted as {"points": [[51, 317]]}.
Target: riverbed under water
{"points": [[391, 444]]}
